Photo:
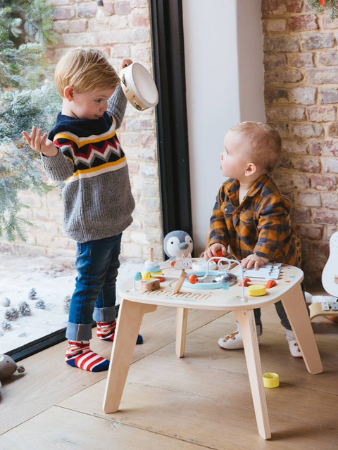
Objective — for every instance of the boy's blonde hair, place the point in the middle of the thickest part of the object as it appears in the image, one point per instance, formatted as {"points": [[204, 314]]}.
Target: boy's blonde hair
{"points": [[266, 144], [85, 70]]}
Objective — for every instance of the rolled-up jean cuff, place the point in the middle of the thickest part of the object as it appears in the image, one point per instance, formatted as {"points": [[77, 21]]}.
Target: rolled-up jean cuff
{"points": [[79, 332], [104, 314]]}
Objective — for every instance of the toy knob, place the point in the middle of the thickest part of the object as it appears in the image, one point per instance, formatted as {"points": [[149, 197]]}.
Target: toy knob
{"points": [[146, 276], [193, 279], [138, 276]]}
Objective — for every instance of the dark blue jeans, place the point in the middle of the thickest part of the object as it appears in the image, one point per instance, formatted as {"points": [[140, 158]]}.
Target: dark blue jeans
{"points": [[97, 263]]}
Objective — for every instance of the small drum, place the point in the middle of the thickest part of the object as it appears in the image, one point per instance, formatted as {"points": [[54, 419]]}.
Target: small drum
{"points": [[139, 87]]}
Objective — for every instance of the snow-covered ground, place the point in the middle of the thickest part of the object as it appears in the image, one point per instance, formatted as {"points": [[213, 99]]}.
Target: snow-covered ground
{"points": [[53, 279]]}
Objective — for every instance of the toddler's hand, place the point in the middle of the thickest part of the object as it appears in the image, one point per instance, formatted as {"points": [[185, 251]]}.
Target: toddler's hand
{"points": [[254, 261], [40, 144], [125, 63], [213, 249]]}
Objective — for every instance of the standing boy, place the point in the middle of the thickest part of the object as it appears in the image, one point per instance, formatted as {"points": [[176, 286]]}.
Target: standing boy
{"points": [[84, 151]]}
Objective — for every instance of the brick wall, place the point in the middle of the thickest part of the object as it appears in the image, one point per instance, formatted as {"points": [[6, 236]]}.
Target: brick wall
{"points": [[301, 93], [125, 35]]}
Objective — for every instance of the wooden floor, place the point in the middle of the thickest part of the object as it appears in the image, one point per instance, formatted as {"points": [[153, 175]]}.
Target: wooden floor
{"points": [[200, 402]]}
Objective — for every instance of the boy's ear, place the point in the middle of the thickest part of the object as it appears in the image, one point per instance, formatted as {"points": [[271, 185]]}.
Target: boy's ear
{"points": [[68, 93], [251, 168]]}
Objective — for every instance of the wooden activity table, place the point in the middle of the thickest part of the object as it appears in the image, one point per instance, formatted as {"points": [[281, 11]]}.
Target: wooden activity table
{"points": [[136, 303]]}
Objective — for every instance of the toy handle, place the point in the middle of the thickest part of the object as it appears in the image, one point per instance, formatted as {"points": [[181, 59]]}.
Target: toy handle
{"points": [[20, 369]]}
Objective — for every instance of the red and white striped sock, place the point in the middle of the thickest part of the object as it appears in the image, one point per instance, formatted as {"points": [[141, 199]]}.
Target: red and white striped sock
{"points": [[106, 330], [79, 355]]}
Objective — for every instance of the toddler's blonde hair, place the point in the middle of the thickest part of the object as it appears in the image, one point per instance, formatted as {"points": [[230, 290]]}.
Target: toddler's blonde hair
{"points": [[266, 144], [85, 70]]}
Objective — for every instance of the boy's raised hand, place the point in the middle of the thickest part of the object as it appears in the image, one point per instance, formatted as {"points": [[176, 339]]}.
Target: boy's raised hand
{"points": [[254, 261], [125, 63], [40, 143], [213, 249]]}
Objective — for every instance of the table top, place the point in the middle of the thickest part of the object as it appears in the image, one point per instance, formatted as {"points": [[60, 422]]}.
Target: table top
{"points": [[218, 299]]}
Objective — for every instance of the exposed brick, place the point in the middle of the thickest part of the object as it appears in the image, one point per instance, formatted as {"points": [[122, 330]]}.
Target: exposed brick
{"points": [[285, 113], [312, 41], [307, 130], [139, 124], [330, 200], [330, 165], [118, 22], [312, 165], [303, 22], [275, 96], [282, 6], [64, 12], [328, 231], [328, 57], [325, 148], [139, 18], [149, 154], [309, 199], [274, 61], [323, 182], [304, 95], [132, 250], [140, 35], [107, 37], [282, 128], [109, 7], [300, 60], [313, 268], [289, 182], [275, 25], [333, 130], [313, 232], [321, 76], [123, 8], [80, 39], [141, 52], [86, 10], [120, 51], [298, 146], [300, 215], [322, 113], [329, 23], [281, 44], [328, 95], [284, 76], [323, 216], [138, 3], [149, 171], [147, 140]]}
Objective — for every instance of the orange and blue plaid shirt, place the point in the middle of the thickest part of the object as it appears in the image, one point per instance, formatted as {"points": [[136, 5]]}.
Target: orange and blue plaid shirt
{"points": [[259, 224]]}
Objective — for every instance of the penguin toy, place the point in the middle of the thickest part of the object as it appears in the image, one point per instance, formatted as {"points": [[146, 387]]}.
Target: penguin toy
{"points": [[178, 244]]}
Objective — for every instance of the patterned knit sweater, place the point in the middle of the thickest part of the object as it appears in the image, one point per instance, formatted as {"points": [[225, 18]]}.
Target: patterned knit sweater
{"points": [[97, 197]]}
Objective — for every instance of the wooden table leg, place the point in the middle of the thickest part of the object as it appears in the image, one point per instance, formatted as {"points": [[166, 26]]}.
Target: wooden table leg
{"points": [[253, 362], [128, 326], [181, 330], [294, 305]]}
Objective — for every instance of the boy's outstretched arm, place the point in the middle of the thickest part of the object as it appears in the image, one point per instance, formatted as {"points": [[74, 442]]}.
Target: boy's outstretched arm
{"points": [[40, 143], [58, 167], [118, 102]]}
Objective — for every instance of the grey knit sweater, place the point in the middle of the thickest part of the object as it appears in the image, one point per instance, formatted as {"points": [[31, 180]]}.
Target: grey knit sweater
{"points": [[97, 197]]}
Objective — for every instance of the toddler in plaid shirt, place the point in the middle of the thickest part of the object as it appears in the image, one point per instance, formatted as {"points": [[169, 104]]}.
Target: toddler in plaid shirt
{"points": [[251, 218]]}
